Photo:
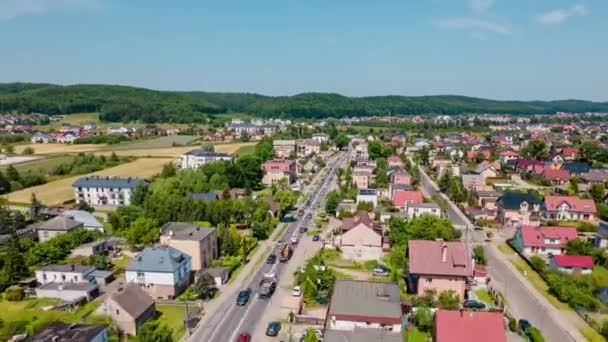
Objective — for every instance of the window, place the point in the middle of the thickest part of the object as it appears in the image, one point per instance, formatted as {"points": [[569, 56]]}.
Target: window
{"points": [[117, 312], [63, 277], [44, 276], [429, 280]]}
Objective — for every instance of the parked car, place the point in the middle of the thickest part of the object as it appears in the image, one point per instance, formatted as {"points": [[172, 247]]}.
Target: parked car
{"points": [[474, 304], [244, 337], [303, 230], [380, 272], [316, 238], [524, 324], [297, 291], [272, 258], [273, 328], [243, 297]]}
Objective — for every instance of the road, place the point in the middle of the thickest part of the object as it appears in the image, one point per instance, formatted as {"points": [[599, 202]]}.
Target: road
{"points": [[523, 301], [230, 320]]}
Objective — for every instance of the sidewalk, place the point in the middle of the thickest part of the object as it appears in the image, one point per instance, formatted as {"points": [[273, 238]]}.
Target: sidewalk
{"points": [[524, 301]]}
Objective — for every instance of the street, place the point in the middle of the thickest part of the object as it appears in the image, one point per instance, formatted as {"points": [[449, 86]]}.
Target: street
{"points": [[229, 320]]}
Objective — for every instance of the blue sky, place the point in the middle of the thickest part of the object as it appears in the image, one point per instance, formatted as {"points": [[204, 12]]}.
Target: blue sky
{"points": [[501, 49]]}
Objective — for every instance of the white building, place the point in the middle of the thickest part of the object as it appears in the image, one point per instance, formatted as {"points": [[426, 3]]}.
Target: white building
{"points": [[162, 271], [196, 158], [320, 137], [70, 273], [414, 210], [368, 195], [102, 191]]}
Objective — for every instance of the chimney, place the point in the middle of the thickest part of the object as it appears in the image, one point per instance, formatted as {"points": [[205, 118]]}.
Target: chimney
{"points": [[444, 252]]}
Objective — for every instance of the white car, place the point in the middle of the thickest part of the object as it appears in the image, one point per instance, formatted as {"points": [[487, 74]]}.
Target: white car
{"points": [[297, 291]]}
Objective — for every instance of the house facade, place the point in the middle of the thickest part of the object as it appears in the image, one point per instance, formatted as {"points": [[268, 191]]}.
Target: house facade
{"points": [[278, 169], [414, 210], [570, 208], [56, 226], [439, 266], [70, 273], [163, 272], [129, 307], [284, 148], [543, 240], [360, 238], [516, 208], [106, 191], [574, 264], [200, 243]]}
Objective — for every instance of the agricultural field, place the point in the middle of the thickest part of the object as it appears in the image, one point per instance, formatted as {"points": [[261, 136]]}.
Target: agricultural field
{"points": [[245, 150], [61, 191], [233, 147], [60, 148], [172, 152], [161, 142], [12, 160], [43, 165]]}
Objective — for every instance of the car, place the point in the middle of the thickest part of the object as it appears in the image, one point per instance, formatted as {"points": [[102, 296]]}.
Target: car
{"points": [[303, 230], [243, 297], [524, 324], [244, 337], [316, 238], [273, 328], [297, 291], [380, 272], [474, 304], [272, 258]]}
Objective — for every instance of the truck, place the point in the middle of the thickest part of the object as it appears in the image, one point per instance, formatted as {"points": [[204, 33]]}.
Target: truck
{"points": [[267, 286], [285, 252]]}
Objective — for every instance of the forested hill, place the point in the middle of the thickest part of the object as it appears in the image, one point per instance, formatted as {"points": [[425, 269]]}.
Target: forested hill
{"points": [[122, 103]]}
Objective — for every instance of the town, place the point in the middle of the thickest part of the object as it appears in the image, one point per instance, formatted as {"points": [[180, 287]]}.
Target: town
{"points": [[472, 227]]}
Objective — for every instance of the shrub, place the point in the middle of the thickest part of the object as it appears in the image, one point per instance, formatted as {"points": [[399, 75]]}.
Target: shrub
{"points": [[512, 324], [538, 264], [28, 151], [14, 294]]}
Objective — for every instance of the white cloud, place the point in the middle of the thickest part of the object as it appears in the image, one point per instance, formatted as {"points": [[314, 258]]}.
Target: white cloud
{"points": [[464, 23], [558, 16], [480, 6], [10, 9]]}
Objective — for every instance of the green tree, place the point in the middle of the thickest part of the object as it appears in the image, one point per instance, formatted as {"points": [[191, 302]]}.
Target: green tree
{"points": [[365, 206], [169, 170], [35, 208], [14, 267], [286, 199], [573, 186], [101, 262], [311, 336], [536, 149], [332, 201], [154, 331], [140, 194], [143, 230], [448, 300], [424, 319], [579, 247], [12, 174], [341, 140], [590, 150], [205, 286], [27, 151], [480, 255], [597, 192], [114, 158]]}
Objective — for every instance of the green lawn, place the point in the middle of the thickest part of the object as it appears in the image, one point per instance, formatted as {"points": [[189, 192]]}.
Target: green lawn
{"points": [[538, 283], [173, 317], [415, 335], [484, 296], [506, 249], [245, 150], [120, 264]]}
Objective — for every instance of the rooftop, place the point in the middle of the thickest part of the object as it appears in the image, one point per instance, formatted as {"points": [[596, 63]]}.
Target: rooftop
{"points": [[108, 182], [158, 259], [60, 223], [439, 258], [69, 268], [362, 335], [366, 301], [583, 261], [186, 231], [204, 153], [65, 332], [132, 299], [470, 326]]}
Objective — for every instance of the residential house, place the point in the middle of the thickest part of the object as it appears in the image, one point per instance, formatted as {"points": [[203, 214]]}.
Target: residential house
{"points": [[556, 176], [364, 308], [567, 208], [507, 156], [470, 326], [543, 240], [575, 264], [577, 168], [70, 273], [172, 131], [219, 274], [528, 165], [105, 190], [486, 171], [94, 247], [486, 198], [400, 176], [518, 208], [399, 139], [72, 332], [278, 169], [368, 196], [473, 181], [361, 150], [322, 138], [42, 138], [362, 179], [438, 265], [198, 157], [284, 148], [401, 199], [414, 210], [420, 143], [360, 238], [56, 226], [309, 147], [346, 206], [89, 221], [163, 272], [200, 243], [601, 237], [208, 196], [594, 177], [394, 161], [129, 307], [69, 292]]}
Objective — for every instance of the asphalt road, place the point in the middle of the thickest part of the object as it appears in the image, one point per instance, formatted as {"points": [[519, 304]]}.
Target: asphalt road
{"points": [[231, 320]]}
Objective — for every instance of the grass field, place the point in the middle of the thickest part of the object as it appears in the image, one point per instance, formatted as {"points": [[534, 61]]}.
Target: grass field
{"points": [[60, 191], [233, 147], [60, 148], [42, 165], [173, 317], [415, 335], [171, 152], [484, 296], [161, 142], [245, 150], [505, 249]]}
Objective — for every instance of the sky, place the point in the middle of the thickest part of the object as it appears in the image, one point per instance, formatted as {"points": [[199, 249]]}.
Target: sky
{"points": [[498, 49]]}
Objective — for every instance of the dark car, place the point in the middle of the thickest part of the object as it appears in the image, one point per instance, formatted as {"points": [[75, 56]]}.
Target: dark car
{"points": [[243, 297], [273, 328], [316, 238], [272, 258], [303, 230], [524, 324], [474, 304], [244, 337]]}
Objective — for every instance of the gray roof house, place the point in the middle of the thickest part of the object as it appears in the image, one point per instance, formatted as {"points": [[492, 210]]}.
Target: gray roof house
{"points": [[162, 271], [108, 182], [88, 220], [66, 332], [129, 307], [355, 303], [56, 226]]}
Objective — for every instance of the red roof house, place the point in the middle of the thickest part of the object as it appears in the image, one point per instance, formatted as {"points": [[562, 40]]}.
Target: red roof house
{"points": [[401, 198], [394, 160], [564, 208], [438, 265], [469, 326], [556, 176], [578, 264], [543, 240]]}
